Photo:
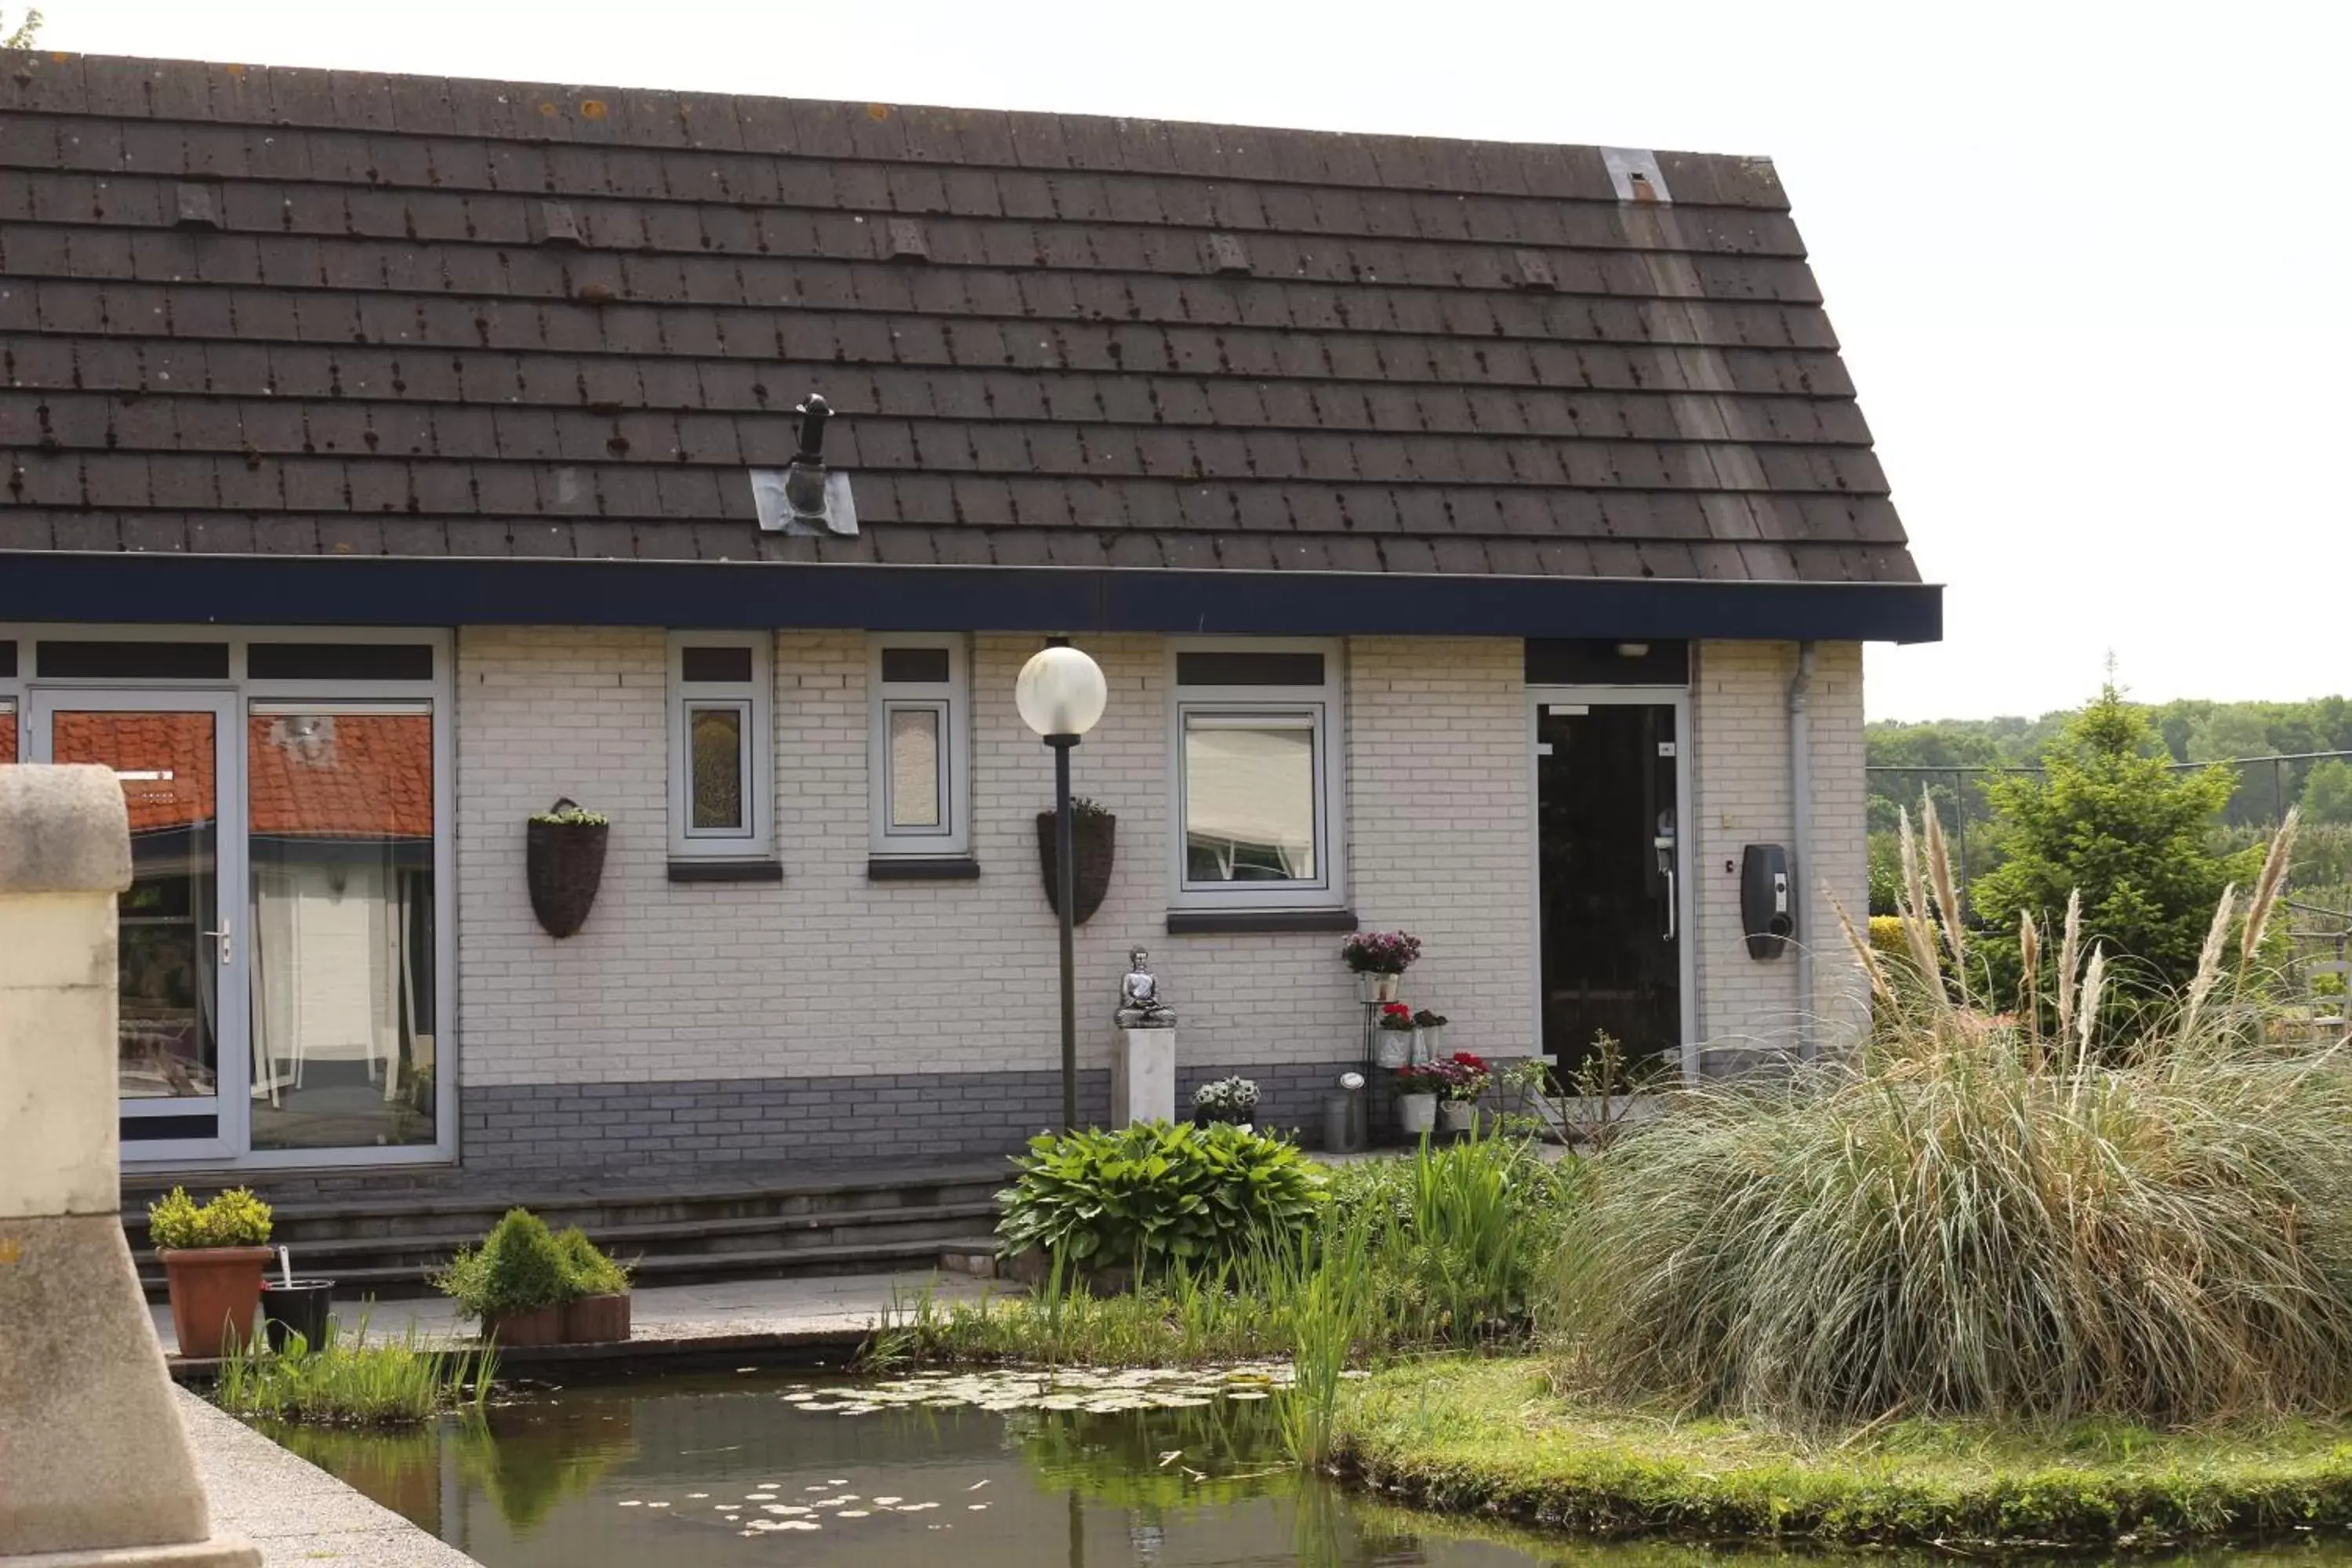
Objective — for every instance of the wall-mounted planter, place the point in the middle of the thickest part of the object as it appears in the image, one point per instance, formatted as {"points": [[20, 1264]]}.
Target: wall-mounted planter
{"points": [[564, 861], [1093, 836]]}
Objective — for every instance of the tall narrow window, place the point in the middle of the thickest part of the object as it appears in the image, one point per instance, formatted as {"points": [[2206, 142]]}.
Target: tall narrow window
{"points": [[719, 763], [919, 752], [1257, 775]]}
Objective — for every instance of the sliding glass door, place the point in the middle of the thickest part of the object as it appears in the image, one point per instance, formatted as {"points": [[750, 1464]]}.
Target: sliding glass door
{"points": [[280, 952], [181, 950]]}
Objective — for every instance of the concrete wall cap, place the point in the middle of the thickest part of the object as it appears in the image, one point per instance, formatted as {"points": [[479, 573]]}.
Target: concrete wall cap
{"points": [[63, 830]]}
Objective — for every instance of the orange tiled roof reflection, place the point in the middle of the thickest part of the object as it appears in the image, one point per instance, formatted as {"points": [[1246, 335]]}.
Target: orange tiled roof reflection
{"points": [[337, 775], [341, 776]]}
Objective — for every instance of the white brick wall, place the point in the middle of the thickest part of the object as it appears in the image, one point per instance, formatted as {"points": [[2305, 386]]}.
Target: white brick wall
{"points": [[1740, 779], [830, 973]]}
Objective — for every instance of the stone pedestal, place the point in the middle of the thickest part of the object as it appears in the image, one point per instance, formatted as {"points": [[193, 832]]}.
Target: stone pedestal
{"points": [[1143, 1076], [96, 1463]]}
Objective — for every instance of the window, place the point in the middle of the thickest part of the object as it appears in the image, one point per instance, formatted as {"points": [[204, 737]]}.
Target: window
{"points": [[719, 760], [920, 750], [1256, 777]]}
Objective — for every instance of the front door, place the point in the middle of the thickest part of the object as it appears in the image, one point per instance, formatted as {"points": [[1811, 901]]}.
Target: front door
{"points": [[1609, 844], [181, 1030]]}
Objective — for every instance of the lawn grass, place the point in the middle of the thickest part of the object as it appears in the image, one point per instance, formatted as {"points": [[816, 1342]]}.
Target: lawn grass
{"points": [[1491, 1435]]}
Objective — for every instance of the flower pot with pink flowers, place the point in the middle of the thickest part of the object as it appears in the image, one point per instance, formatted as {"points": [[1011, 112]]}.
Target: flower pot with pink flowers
{"points": [[1379, 960]]}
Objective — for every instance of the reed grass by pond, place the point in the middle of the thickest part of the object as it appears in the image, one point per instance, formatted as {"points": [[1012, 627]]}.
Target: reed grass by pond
{"points": [[1492, 1435]]}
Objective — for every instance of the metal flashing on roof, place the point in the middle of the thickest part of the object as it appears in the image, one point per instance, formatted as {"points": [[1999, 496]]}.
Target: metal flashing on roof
{"points": [[1533, 271], [1634, 171], [907, 241]]}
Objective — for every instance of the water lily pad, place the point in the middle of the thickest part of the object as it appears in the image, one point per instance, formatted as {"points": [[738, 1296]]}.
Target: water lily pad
{"points": [[853, 1513]]}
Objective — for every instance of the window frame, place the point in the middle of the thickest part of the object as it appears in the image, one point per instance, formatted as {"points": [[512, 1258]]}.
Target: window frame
{"points": [[1324, 709], [951, 700], [755, 700]]}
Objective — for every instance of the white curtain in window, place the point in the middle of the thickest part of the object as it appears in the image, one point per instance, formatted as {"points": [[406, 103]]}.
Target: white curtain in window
{"points": [[330, 962]]}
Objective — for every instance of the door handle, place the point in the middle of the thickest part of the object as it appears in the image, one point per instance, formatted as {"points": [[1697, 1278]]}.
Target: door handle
{"points": [[222, 936], [1674, 903]]}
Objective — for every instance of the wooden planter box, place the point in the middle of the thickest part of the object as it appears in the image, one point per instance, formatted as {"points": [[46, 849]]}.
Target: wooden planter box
{"points": [[1093, 836], [564, 862], [596, 1320], [544, 1327]]}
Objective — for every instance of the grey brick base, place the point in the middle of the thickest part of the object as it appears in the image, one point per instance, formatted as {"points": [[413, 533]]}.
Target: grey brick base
{"points": [[821, 1120], [769, 1121]]}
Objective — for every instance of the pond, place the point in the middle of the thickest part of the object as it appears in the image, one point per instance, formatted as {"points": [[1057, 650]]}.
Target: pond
{"points": [[755, 1468]]}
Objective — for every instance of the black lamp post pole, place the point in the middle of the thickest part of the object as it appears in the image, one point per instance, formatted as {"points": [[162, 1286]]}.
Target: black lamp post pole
{"points": [[1066, 898]]}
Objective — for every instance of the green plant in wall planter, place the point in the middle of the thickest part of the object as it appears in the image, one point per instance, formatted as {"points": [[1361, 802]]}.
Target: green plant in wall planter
{"points": [[213, 1256], [563, 863]]}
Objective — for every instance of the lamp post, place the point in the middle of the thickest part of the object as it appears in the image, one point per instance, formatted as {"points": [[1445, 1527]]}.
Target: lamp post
{"points": [[1061, 695]]}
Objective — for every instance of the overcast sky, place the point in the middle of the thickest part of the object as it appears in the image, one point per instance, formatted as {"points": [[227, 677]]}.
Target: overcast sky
{"points": [[2086, 260]]}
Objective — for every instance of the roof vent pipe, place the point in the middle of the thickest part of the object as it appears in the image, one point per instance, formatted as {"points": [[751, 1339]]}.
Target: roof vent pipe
{"points": [[1801, 848], [804, 479]]}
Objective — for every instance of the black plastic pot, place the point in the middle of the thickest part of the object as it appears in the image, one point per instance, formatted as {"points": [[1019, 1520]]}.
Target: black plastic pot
{"points": [[298, 1309]]}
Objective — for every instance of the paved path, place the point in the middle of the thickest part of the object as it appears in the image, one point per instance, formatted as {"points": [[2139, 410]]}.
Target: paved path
{"points": [[844, 1303], [298, 1515]]}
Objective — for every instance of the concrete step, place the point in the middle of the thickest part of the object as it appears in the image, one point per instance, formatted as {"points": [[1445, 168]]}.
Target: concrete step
{"points": [[751, 1232], [961, 1254]]}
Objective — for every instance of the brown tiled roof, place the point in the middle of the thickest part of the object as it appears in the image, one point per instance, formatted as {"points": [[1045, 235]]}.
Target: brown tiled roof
{"points": [[299, 311]]}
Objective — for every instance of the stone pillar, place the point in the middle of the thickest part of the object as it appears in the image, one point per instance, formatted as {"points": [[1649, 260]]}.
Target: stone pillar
{"points": [[95, 1467], [1143, 1076]]}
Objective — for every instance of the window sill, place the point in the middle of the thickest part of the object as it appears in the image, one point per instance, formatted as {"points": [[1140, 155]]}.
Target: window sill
{"points": [[726, 871], [1206, 922], [921, 868]]}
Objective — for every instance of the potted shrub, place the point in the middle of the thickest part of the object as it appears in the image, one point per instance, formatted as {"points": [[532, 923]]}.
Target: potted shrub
{"points": [[1233, 1099], [1466, 1077], [1418, 1087], [598, 1311], [564, 862], [516, 1283], [1094, 836], [1378, 959], [213, 1256], [1395, 1035]]}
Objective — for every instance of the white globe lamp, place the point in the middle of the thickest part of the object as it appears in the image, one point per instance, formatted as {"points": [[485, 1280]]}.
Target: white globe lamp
{"points": [[1061, 693]]}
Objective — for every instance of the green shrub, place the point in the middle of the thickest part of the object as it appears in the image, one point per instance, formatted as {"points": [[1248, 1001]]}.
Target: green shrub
{"points": [[233, 1218], [1151, 1194], [519, 1268], [1968, 1215], [591, 1272]]}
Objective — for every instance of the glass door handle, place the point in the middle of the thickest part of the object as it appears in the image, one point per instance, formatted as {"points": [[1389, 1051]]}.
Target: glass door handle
{"points": [[222, 936], [1674, 903]]}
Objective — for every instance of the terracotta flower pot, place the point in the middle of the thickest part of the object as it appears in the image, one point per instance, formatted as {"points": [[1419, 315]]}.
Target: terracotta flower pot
{"points": [[544, 1327], [1093, 838], [596, 1320], [215, 1296]]}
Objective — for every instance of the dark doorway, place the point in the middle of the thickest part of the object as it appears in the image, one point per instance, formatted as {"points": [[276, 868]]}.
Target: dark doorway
{"points": [[1607, 808]]}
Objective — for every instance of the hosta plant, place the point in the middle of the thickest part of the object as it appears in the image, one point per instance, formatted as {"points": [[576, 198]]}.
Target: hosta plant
{"points": [[1153, 1193]]}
